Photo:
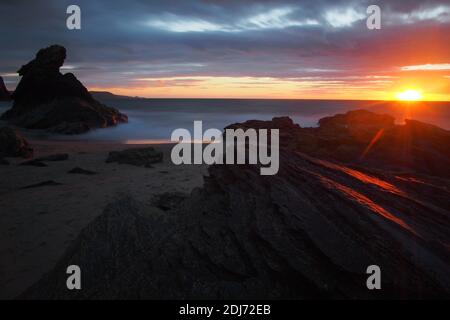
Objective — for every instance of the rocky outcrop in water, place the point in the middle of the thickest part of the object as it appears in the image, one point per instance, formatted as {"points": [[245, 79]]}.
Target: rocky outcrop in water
{"points": [[47, 99], [367, 139], [310, 231]]}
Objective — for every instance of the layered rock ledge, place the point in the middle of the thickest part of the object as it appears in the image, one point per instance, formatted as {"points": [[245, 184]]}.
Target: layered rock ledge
{"points": [[310, 231]]}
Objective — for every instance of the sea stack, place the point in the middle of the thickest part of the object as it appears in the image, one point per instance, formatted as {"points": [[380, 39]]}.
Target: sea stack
{"points": [[47, 99], [4, 93]]}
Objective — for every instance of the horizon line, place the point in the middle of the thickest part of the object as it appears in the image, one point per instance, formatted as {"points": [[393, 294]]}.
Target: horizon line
{"points": [[247, 98]]}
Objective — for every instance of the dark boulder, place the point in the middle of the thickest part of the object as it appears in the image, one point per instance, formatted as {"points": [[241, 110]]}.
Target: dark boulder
{"points": [[54, 157], [284, 123], [78, 170], [141, 157], [47, 99], [12, 144], [4, 93]]}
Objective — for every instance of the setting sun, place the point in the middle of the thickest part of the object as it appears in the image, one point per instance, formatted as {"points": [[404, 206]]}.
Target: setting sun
{"points": [[409, 95]]}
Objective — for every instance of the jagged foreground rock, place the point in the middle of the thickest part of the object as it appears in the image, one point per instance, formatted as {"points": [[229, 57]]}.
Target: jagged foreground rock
{"points": [[47, 99], [308, 232]]}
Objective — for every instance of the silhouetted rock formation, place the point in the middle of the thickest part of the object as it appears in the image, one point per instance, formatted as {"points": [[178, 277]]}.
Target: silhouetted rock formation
{"points": [[357, 120], [47, 99], [141, 157], [310, 231], [13, 145], [365, 138], [4, 93]]}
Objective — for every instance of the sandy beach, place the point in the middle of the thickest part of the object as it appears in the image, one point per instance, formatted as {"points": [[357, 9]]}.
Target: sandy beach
{"points": [[40, 223]]}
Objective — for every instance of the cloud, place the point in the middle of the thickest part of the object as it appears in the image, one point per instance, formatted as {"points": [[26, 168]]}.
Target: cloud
{"points": [[173, 23], [275, 18], [439, 13], [427, 67], [276, 39], [339, 18]]}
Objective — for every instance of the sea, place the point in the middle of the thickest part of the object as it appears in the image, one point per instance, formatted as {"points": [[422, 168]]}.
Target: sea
{"points": [[154, 120]]}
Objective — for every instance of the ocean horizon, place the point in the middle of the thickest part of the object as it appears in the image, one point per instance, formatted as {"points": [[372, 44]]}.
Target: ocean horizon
{"points": [[152, 120]]}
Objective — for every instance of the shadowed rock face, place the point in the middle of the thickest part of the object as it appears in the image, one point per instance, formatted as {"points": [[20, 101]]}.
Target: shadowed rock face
{"points": [[13, 145], [4, 93], [310, 231], [47, 99]]}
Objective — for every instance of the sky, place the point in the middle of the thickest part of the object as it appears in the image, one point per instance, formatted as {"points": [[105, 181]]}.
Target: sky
{"points": [[312, 49]]}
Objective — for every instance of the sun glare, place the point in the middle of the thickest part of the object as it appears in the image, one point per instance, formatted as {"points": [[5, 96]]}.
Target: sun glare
{"points": [[409, 95]]}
